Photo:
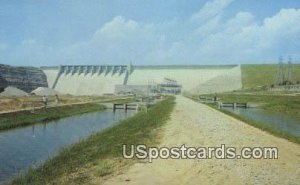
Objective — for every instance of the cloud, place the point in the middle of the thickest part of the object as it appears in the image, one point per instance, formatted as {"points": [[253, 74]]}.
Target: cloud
{"points": [[208, 27], [210, 9], [243, 39], [29, 52], [203, 38], [117, 41], [118, 28], [240, 21]]}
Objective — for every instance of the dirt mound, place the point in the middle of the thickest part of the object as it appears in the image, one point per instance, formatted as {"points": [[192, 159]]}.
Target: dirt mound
{"points": [[13, 91], [41, 91]]}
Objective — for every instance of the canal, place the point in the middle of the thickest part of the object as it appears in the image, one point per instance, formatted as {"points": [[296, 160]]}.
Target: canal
{"points": [[30, 146], [279, 121]]}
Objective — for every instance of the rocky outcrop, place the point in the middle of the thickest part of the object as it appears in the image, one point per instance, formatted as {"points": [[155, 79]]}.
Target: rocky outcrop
{"points": [[3, 84], [24, 78]]}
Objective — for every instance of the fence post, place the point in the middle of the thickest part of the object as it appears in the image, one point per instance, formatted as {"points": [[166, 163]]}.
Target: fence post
{"points": [[33, 108], [114, 107]]}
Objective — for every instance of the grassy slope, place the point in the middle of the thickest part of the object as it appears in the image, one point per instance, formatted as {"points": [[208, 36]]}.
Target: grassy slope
{"points": [[23, 118], [252, 122], [264, 74], [262, 126], [288, 105], [100, 154], [261, 75]]}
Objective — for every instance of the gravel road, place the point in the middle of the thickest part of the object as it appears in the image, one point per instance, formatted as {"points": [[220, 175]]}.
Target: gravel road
{"points": [[195, 124]]}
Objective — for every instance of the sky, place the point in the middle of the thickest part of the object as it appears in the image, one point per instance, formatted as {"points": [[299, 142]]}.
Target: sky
{"points": [[148, 32]]}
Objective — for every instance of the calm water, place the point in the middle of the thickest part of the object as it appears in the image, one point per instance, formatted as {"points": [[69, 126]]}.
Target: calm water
{"points": [[29, 146], [279, 121]]}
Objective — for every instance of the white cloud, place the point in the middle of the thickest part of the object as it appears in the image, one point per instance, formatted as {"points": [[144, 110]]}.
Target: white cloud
{"points": [[237, 40], [240, 21], [117, 41], [210, 9], [118, 28], [208, 27], [243, 39], [206, 39]]}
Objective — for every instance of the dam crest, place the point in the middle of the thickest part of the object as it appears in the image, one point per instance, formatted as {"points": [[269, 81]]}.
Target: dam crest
{"points": [[114, 79]]}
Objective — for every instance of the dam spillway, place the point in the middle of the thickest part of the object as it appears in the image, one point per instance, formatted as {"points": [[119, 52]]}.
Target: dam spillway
{"points": [[107, 79]]}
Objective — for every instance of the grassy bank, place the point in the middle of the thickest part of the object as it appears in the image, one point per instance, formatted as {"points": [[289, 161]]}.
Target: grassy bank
{"points": [[26, 102], [23, 118], [100, 154], [287, 105], [261, 126]]}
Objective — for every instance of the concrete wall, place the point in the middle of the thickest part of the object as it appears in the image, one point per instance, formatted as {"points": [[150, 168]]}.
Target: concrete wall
{"points": [[138, 89], [98, 80], [88, 84], [227, 81], [194, 79], [51, 74]]}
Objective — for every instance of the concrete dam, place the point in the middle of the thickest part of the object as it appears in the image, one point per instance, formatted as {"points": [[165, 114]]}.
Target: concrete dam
{"points": [[110, 79]]}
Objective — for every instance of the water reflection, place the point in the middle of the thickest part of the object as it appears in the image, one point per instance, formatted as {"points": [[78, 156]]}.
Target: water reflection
{"points": [[279, 121], [30, 146]]}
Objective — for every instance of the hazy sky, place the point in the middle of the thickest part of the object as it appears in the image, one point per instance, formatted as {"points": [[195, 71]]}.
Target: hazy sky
{"points": [[53, 32]]}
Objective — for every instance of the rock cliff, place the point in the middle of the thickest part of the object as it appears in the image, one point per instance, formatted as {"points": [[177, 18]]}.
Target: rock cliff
{"points": [[24, 78]]}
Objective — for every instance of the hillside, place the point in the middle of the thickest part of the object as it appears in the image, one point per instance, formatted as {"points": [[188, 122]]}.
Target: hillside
{"points": [[254, 75]]}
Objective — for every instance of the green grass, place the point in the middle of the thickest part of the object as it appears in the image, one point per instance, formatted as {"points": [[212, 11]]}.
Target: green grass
{"points": [[263, 75], [94, 152], [287, 105], [261, 126], [23, 118]]}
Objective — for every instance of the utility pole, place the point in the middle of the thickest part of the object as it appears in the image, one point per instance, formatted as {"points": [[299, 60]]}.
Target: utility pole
{"points": [[280, 72], [290, 70]]}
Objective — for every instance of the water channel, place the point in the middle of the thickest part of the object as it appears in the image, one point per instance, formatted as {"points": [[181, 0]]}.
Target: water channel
{"points": [[30, 146]]}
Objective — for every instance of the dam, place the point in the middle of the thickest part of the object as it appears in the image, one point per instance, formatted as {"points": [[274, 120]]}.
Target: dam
{"points": [[113, 79]]}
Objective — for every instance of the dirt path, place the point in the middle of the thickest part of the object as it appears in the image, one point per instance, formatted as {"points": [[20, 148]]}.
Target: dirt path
{"points": [[197, 125]]}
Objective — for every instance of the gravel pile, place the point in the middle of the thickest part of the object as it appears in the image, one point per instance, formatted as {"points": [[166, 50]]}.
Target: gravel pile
{"points": [[41, 91], [13, 91]]}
